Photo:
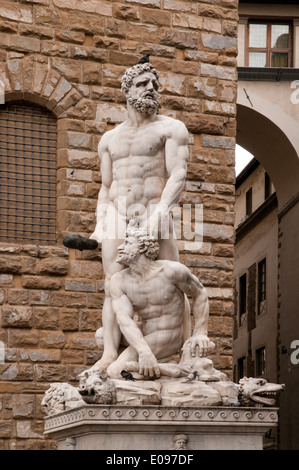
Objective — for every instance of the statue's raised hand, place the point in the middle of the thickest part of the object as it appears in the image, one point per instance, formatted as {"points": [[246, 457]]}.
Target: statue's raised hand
{"points": [[200, 345]]}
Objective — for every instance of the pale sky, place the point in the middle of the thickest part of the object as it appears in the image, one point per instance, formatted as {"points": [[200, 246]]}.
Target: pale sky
{"points": [[242, 158]]}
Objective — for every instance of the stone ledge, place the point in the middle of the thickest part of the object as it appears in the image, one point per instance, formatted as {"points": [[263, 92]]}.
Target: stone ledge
{"points": [[207, 416], [95, 427]]}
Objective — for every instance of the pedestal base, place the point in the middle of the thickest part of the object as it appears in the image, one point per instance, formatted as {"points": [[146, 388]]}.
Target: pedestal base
{"points": [[100, 427]]}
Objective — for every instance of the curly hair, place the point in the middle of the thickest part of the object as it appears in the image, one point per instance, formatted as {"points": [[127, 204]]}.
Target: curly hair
{"points": [[149, 246], [132, 72]]}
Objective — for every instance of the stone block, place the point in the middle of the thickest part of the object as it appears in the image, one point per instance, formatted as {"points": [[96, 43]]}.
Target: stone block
{"points": [[80, 286], [61, 90], [201, 87], [217, 71], [115, 28], [23, 338], [50, 83], [91, 6], [179, 39], [177, 5], [73, 356], [69, 319], [121, 58], [157, 17], [5, 429], [46, 317], [16, 12], [82, 159], [52, 339], [70, 300], [40, 355], [23, 406], [8, 26], [112, 75], [92, 73], [172, 83], [142, 32], [111, 113], [41, 282], [42, 32], [86, 269], [219, 233], [218, 142], [39, 297], [126, 12], [70, 36], [6, 280], [89, 319], [24, 43], [202, 123], [185, 20], [81, 341], [17, 317], [218, 42], [152, 3], [68, 68], [50, 373], [50, 48], [55, 266]]}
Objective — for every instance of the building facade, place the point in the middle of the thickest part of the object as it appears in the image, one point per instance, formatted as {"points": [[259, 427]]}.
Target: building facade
{"points": [[266, 250], [61, 62]]}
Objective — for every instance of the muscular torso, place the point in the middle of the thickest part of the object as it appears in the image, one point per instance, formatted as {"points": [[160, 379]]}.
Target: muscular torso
{"points": [[159, 303], [138, 165]]}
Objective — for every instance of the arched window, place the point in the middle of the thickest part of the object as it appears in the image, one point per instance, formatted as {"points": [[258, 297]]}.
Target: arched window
{"points": [[28, 143]]}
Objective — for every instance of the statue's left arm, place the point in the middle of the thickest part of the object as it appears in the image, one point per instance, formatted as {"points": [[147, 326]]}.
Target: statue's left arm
{"points": [[190, 285], [176, 157]]}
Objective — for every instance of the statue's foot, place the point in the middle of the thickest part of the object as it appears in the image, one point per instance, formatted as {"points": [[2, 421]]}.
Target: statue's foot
{"points": [[80, 243], [103, 363]]}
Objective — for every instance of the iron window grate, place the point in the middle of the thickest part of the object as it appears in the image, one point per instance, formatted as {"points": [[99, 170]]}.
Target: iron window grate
{"points": [[28, 174]]}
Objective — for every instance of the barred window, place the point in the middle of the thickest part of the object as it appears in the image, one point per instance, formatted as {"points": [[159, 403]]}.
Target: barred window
{"points": [[28, 144]]}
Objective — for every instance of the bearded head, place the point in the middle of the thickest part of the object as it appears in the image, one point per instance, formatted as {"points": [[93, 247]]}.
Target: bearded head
{"points": [[144, 100]]}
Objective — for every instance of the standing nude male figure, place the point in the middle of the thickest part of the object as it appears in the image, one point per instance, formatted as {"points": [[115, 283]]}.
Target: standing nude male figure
{"points": [[137, 157]]}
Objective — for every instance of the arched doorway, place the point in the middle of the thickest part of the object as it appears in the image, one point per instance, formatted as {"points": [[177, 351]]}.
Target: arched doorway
{"points": [[274, 143]]}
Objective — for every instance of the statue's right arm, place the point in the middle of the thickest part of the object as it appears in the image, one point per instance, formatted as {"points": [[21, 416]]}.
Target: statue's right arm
{"points": [[124, 312], [103, 197]]}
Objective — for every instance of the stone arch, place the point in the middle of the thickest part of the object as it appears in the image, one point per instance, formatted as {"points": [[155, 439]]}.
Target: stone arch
{"points": [[34, 80], [270, 133], [273, 148]]}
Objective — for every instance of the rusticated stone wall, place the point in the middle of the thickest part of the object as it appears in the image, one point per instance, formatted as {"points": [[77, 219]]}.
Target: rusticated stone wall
{"points": [[68, 56]]}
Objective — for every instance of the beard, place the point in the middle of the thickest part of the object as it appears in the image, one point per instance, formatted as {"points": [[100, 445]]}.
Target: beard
{"points": [[126, 258], [144, 105]]}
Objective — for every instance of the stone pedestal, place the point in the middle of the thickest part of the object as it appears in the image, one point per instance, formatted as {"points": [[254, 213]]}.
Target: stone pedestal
{"points": [[100, 427]]}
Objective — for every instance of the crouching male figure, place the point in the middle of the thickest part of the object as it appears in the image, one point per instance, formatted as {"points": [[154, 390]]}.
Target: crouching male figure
{"points": [[154, 289]]}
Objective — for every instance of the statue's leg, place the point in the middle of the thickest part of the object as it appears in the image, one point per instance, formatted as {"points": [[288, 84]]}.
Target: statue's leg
{"points": [[114, 370], [111, 331]]}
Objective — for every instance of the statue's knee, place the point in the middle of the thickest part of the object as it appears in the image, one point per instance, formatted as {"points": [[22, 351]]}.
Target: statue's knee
{"points": [[114, 371], [99, 338]]}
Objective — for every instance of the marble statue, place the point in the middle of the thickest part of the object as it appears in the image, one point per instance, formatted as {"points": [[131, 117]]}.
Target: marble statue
{"points": [[154, 289], [258, 392], [60, 397], [95, 387], [136, 158], [150, 356]]}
